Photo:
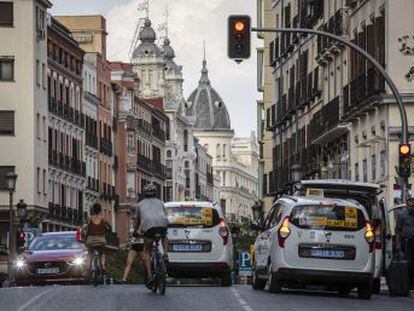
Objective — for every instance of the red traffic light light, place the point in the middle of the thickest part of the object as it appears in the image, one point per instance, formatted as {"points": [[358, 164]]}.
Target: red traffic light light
{"points": [[405, 150]]}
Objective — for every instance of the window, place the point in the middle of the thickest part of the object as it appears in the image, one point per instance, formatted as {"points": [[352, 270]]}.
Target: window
{"points": [[6, 68], [130, 143], [44, 181], [356, 172], [224, 179], [44, 124], [3, 171], [37, 72], [382, 163], [38, 126], [44, 75], [224, 151], [38, 179], [365, 170], [6, 122], [374, 167], [6, 14], [218, 150]]}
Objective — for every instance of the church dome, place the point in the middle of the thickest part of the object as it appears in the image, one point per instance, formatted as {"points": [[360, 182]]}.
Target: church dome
{"points": [[207, 106], [147, 47]]}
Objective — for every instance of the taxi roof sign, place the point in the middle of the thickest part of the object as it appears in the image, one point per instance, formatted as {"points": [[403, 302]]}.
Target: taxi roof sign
{"points": [[314, 192]]}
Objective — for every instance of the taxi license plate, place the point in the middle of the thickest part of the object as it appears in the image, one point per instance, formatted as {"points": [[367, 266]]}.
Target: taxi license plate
{"points": [[48, 271], [187, 247], [327, 253]]}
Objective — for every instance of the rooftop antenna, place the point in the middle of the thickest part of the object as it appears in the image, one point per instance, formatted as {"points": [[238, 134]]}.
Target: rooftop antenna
{"points": [[204, 50]]}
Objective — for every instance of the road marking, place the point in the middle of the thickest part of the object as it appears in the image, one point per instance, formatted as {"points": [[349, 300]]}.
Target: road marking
{"points": [[31, 301], [247, 308], [242, 301]]}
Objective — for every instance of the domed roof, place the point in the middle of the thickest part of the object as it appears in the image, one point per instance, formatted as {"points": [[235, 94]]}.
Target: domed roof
{"points": [[147, 47], [168, 50], [207, 106], [147, 34]]}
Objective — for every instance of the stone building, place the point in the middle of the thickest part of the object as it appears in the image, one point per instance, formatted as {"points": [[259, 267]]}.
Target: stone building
{"points": [[23, 110], [238, 190], [331, 114]]}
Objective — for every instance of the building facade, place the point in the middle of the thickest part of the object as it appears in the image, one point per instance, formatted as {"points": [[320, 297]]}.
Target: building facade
{"points": [[332, 115], [90, 32], [23, 110], [66, 134], [238, 189]]}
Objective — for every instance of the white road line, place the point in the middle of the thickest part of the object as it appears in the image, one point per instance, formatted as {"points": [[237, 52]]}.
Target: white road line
{"points": [[247, 308], [237, 295], [242, 301], [31, 301]]}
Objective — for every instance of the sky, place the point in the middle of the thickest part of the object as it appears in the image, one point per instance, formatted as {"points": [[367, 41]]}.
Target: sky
{"points": [[189, 23]]}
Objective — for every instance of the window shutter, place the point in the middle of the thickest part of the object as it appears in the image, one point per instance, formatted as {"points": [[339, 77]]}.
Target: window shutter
{"points": [[6, 122]]}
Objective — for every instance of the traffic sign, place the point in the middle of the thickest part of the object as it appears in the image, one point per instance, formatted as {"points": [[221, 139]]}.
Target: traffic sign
{"points": [[245, 268]]}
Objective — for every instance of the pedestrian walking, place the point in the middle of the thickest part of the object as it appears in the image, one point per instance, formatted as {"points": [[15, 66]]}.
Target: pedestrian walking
{"points": [[405, 235]]}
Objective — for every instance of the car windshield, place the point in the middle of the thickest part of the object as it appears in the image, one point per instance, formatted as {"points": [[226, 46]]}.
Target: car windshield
{"points": [[190, 215], [333, 217], [56, 242]]}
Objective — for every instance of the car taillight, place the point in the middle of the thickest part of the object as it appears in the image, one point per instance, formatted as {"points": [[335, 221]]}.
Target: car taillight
{"points": [[78, 234], [224, 232], [283, 232], [369, 236]]}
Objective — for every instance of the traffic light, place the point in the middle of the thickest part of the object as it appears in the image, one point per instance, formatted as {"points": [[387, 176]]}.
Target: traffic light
{"points": [[405, 160], [239, 37]]}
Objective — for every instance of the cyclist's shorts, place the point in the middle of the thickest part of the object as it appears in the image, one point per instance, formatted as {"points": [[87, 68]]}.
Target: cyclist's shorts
{"points": [[151, 232]]}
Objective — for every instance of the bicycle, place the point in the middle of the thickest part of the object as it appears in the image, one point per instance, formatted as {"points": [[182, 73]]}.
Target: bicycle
{"points": [[158, 267], [95, 271]]}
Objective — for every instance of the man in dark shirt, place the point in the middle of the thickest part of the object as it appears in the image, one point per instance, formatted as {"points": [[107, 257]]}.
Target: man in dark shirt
{"points": [[405, 234]]}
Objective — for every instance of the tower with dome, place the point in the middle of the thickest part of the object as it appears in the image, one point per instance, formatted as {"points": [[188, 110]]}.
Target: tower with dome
{"points": [[235, 160]]}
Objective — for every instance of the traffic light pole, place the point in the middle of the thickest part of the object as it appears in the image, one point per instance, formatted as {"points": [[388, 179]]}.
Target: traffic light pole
{"points": [[374, 62]]}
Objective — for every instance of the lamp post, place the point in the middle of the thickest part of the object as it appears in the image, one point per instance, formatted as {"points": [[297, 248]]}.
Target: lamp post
{"points": [[11, 186], [257, 210], [295, 175], [21, 212]]}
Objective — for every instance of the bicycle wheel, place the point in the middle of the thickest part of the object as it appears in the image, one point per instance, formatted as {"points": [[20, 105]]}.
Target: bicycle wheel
{"points": [[161, 276], [154, 273], [95, 271]]}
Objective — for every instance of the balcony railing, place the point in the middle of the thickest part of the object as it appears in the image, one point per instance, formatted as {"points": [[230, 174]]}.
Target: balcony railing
{"points": [[158, 133], [324, 120], [105, 146], [91, 140], [361, 89], [65, 214], [144, 125]]}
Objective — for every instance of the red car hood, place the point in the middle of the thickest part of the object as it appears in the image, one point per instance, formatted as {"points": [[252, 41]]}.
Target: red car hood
{"points": [[54, 255]]}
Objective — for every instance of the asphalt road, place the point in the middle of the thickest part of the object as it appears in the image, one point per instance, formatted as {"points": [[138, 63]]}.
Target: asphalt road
{"points": [[132, 297]]}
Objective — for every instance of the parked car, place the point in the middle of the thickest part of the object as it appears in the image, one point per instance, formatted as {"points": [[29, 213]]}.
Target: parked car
{"points": [[55, 257], [200, 242], [369, 196], [315, 241]]}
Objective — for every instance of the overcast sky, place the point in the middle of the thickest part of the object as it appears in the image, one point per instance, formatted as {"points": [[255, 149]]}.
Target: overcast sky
{"points": [[190, 22]]}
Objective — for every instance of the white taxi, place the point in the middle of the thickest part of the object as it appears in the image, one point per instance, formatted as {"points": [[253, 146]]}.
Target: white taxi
{"points": [[200, 242]]}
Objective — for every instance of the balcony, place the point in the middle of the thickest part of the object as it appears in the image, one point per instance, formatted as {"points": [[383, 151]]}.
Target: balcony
{"points": [[105, 146], [93, 184], [361, 90], [158, 133], [91, 140], [158, 169], [324, 120], [144, 126], [52, 105], [144, 163]]}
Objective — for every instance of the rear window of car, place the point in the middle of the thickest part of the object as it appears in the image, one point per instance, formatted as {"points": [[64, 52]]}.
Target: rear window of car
{"points": [[330, 217], [55, 242], [192, 216]]}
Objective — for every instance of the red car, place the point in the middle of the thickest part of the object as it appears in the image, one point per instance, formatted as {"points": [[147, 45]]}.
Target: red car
{"points": [[55, 257]]}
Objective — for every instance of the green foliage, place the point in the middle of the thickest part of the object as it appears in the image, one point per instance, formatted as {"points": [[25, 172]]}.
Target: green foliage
{"points": [[244, 237]]}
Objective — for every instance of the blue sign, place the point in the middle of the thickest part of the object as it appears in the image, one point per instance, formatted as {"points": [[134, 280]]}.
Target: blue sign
{"points": [[30, 234], [245, 267]]}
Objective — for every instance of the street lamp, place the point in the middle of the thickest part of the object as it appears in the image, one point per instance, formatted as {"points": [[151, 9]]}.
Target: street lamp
{"points": [[257, 210], [11, 186], [22, 210]]}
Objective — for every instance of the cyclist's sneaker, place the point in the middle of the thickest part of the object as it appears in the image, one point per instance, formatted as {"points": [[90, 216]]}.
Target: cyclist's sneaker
{"points": [[149, 283]]}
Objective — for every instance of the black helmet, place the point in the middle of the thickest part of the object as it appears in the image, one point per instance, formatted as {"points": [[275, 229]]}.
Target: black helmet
{"points": [[149, 191]]}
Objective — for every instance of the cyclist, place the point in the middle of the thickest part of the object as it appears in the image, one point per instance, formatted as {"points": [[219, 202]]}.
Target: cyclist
{"points": [[151, 220], [96, 228]]}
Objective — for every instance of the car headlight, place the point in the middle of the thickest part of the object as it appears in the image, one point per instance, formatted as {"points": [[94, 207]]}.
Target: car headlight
{"points": [[20, 263], [78, 261]]}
